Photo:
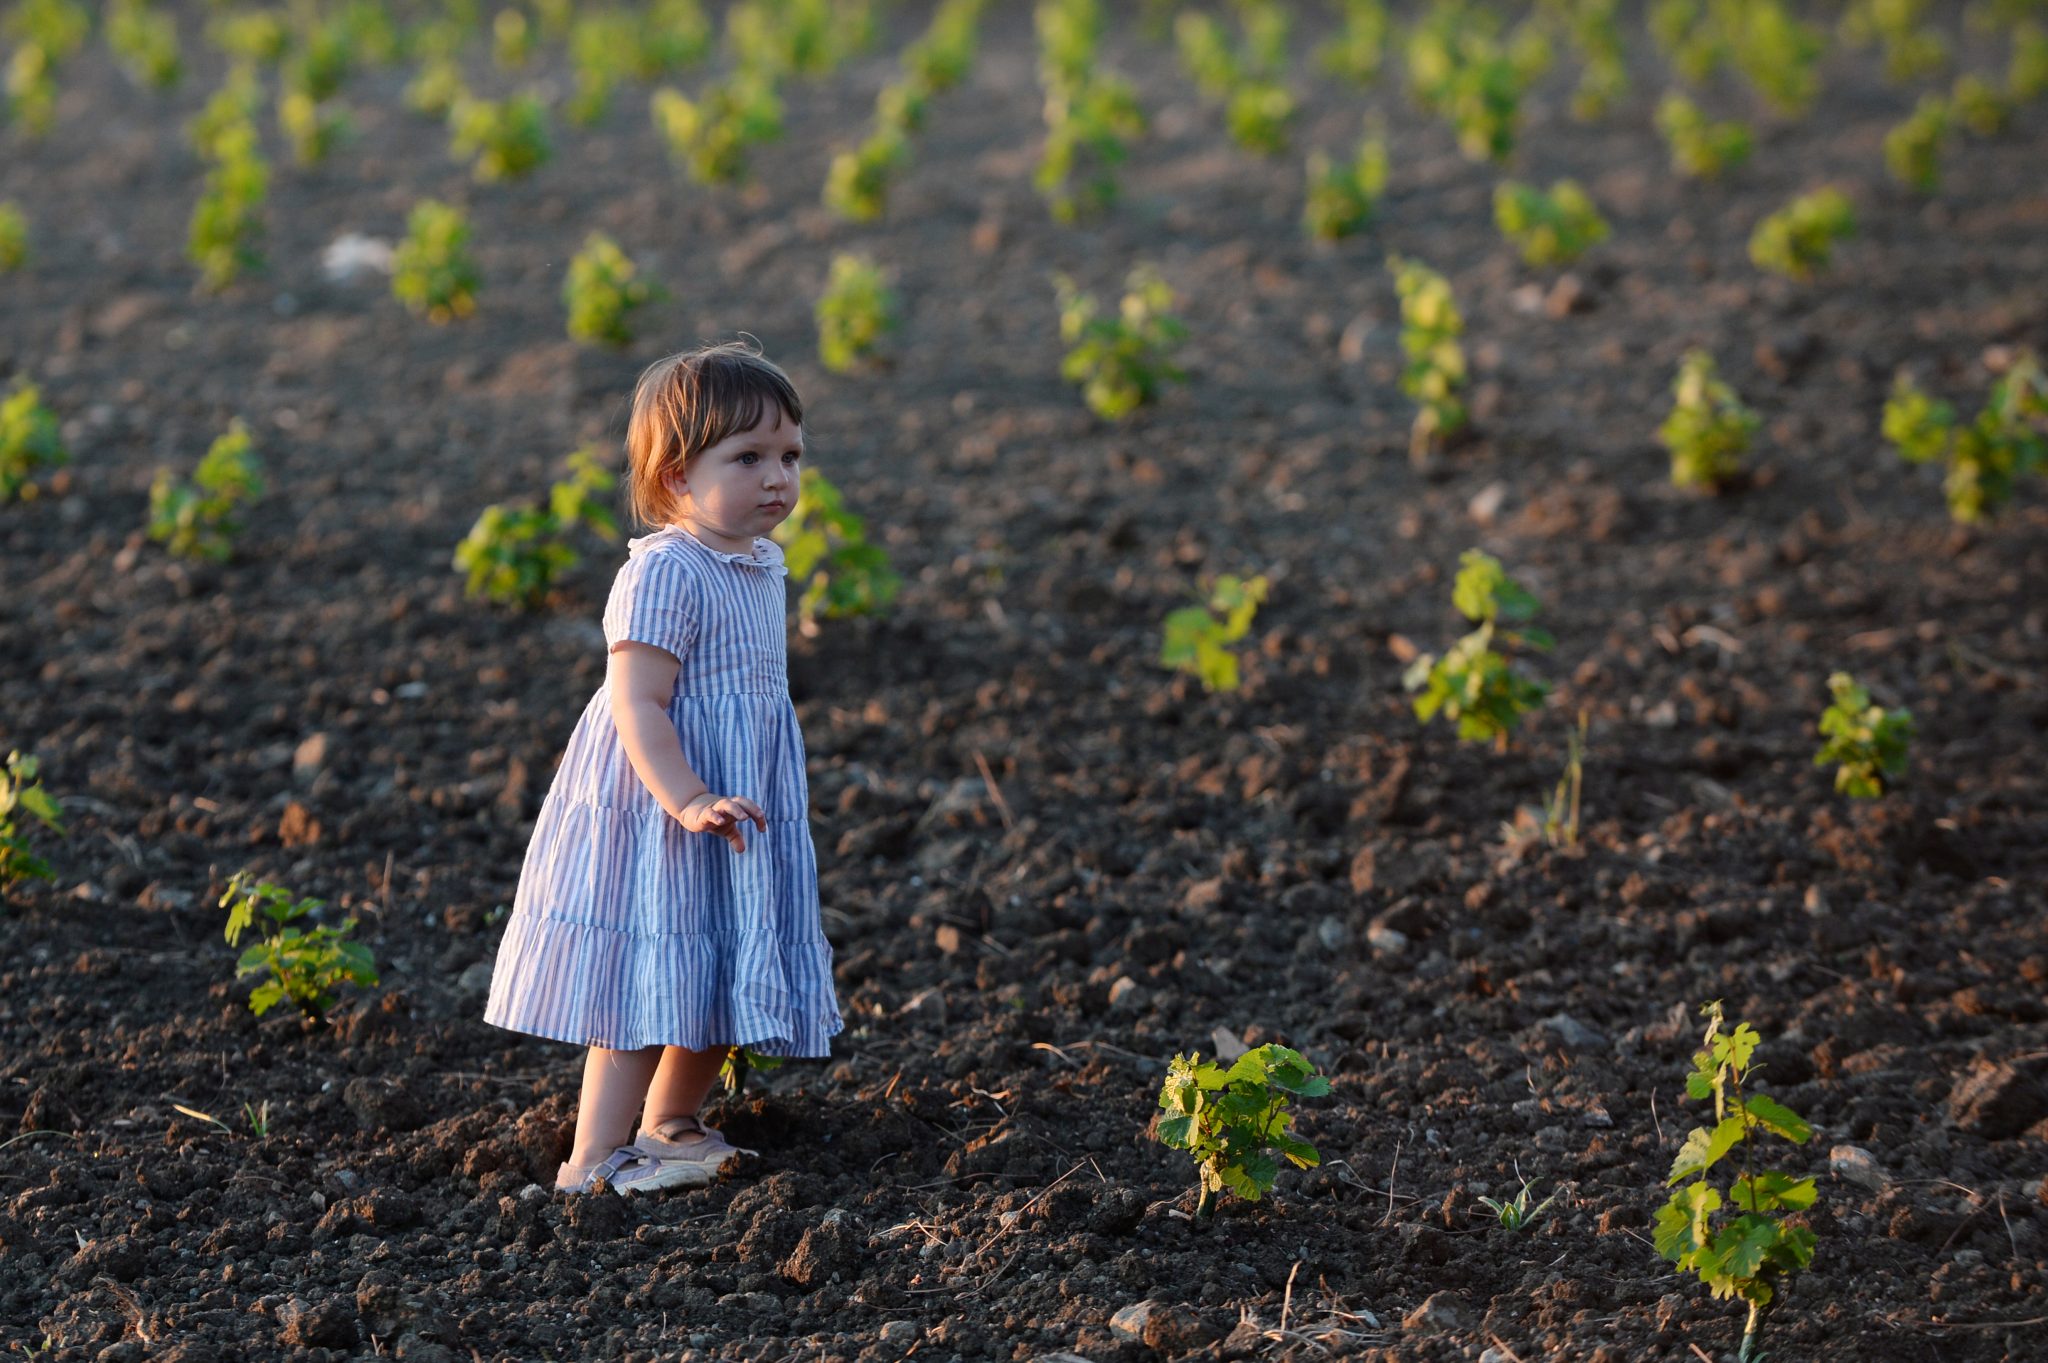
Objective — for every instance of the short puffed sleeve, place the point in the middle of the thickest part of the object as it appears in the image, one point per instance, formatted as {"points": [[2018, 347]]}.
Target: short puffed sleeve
{"points": [[652, 602]]}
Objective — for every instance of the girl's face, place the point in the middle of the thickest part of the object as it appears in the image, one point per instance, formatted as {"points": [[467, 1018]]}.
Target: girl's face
{"points": [[743, 486]]}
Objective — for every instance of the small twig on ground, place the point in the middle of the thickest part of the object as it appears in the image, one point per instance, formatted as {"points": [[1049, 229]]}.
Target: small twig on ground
{"points": [[1287, 1299], [27, 1135], [1985, 1324], [1704, 1356], [1501, 1344], [995, 791], [1658, 1121], [1391, 1173]]}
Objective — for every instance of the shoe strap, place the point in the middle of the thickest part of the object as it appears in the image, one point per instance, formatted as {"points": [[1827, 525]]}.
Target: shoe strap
{"points": [[613, 1164]]}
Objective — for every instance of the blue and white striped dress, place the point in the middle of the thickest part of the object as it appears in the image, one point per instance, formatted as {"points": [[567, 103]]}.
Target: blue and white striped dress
{"points": [[628, 931]]}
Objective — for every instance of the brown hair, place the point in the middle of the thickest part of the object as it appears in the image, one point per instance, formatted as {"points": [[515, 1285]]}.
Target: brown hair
{"points": [[685, 404]]}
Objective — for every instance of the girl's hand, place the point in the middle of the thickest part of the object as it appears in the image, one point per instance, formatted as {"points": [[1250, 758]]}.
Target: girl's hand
{"points": [[725, 815]]}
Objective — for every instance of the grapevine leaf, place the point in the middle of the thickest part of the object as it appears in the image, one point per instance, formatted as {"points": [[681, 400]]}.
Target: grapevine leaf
{"points": [[1741, 1245], [1704, 1148], [1681, 1228], [1772, 1191], [1775, 1117]]}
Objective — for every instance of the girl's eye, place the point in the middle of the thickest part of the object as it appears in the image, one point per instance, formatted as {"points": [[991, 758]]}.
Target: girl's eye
{"points": [[791, 457], [748, 455]]}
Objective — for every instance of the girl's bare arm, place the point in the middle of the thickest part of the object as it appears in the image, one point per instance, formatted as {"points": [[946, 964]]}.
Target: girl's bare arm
{"points": [[641, 679]]}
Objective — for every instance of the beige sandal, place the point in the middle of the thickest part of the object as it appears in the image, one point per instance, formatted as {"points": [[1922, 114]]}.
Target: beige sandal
{"points": [[629, 1170], [687, 1142]]}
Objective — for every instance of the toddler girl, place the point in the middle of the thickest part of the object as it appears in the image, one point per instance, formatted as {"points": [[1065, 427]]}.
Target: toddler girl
{"points": [[668, 906]]}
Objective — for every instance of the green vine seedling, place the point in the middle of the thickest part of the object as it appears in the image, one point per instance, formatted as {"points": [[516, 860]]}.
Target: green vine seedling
{"points": [[513, 557], [1603, 79], [1089, 111], [740, 1061], [1227, 1120], [1987, 458], [1515, 1213], [601, 293], [1550, 229], [506, 139], [711, 135], [318, 56], [225, 223], [1778, 52], [857, 182], [1746, 1255], [1358, 51], [513, 40], [1708, 430], [1799, 238], [1912, 148], [238, 100], [1868, 741], [30, 441], [305, 967], [1341, 199], [1430, 327], [313, 129], [1122, 361], [2026, 76], [202, 519], [432, 272], [1699, 148], [1979, 106], [1459, 66], [825, 547], [437, 87], [21, 792], [857, 309], [145, 40], [940, 58], [1198, 637], [1472, 685], [250, 36]]}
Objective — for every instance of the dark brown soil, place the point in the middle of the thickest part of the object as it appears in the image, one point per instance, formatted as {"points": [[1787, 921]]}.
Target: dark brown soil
{"points": [[970, 1176]]}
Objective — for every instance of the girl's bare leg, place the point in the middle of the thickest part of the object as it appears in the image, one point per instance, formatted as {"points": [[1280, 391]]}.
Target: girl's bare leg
{"points": [[614, 1083], [681, 1082]]}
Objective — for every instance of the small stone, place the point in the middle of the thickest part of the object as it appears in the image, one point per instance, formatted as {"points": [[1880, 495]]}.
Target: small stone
{"points": [[1129, 1322], [1162, 1325], [1204, 896], [1816, 901], [475, 980], [949, 939], [1389, 941], [309, 759], [377, 1103], [1573, 1034], [1998, 1100], [1568, 295], [898, 1333], [1485, 506], [1854, 1164], [1333, 934], [1440, 1312], [1229, 1045], [329, 1324], [1126, 993]]}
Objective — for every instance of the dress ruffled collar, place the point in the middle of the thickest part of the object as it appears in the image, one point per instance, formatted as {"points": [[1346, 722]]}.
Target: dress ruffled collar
{"points": [[767, 553]]}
